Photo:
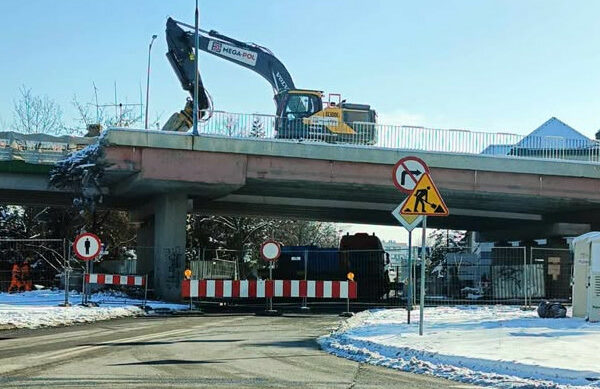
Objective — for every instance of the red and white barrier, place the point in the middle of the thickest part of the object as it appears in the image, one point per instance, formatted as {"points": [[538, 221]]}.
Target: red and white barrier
{"points": [[268, 288], [115, 279]]}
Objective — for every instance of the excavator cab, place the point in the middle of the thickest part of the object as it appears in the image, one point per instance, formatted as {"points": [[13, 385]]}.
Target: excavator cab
{"points": [[301, 115], [293, 106]]}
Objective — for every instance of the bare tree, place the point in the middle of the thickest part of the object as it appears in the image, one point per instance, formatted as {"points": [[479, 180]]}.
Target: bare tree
{"points": [[36, 114], [125, 115]]}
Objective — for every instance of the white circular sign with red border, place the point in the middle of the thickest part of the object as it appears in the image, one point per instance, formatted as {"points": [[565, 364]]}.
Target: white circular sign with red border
{"points": [[87, 246], [407, 173], [270, 250]]}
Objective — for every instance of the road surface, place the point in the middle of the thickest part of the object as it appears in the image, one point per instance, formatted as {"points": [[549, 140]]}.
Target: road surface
{"points": [[207, 351]]}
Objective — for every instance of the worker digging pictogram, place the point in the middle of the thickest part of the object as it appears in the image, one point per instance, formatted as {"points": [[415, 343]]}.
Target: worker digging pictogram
{"points": [[425, 199]]}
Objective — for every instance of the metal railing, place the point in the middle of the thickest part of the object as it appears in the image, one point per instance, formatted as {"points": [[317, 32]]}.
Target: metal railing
{"points": [[259, 126]]}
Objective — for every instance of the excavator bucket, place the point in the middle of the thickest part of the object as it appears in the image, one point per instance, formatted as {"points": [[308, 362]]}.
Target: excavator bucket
{"points": [[181, 58]]}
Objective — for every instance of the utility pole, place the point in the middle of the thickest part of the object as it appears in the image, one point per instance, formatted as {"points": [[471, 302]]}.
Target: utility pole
{"points": [[197, 43], [148, 80]]}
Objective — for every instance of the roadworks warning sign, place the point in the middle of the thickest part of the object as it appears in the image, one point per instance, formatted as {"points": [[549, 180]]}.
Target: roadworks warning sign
{"points": [[425, 200]]}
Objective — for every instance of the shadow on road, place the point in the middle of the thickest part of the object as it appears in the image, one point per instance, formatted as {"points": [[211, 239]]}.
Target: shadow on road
{"points": [[163, 342], [166, 362], [298, 343], [218, 360]]}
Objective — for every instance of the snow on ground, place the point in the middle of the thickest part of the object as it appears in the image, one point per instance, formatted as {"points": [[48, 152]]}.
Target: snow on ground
{"points": [[39, 308], [498, 346]]}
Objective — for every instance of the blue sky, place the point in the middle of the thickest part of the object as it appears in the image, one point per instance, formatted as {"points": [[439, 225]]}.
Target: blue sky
{"points": [[479, 65]]}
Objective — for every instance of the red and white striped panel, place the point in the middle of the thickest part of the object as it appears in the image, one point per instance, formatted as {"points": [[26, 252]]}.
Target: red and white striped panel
{"points": [[267, 288], [115, 279]]}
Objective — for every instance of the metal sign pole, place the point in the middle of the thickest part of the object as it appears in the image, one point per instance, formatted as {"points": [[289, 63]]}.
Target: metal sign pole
{"points": [[196, 49], [422, 296], [304, 299], [66, 261], [145, 290], [271, 278], [409, 286], [86, 288]]}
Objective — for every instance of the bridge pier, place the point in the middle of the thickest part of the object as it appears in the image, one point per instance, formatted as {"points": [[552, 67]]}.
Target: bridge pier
{"points": [[162, 241]]}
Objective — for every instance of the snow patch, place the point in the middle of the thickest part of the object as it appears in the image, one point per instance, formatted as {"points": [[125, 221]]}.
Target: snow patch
{"points": [[498, 346], [39, 308]]}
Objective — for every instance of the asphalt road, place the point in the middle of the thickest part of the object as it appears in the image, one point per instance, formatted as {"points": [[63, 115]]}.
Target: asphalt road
{"points": [[207, 351]]}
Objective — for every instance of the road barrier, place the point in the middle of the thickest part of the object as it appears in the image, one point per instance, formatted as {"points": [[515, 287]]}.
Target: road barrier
{"points": [[115, 279], [267, 288], [118, 279]]}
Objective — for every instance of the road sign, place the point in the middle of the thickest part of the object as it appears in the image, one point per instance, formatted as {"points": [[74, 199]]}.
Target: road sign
{"points": [[87, 246], [425, 200], [410, 222], [407, 172], [270, 250]]}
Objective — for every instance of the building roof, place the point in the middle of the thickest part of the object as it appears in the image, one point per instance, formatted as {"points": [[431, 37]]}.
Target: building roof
{"points": [[553, 134], [497, 150]]}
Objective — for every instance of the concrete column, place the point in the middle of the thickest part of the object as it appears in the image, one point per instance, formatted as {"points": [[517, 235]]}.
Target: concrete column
{"points": [[145, 250], [170, 211]]}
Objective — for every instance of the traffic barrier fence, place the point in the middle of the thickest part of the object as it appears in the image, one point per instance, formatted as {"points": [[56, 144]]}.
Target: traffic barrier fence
{"points": [[269, 288]]}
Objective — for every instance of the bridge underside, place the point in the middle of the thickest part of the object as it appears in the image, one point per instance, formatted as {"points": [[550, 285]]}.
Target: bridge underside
{"points": [[161, 177]]}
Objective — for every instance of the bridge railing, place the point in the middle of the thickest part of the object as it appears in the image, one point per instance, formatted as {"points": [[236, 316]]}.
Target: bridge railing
{"points": [[259, 126]]}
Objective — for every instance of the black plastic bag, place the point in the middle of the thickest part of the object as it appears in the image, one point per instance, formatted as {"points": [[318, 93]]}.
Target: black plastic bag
{"points": [[551, 310]]}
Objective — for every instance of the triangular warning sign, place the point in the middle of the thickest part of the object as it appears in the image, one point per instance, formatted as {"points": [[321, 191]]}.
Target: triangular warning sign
{"points": [[425, 200]]}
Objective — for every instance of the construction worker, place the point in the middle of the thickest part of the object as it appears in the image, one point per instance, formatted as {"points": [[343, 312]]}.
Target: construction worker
{"points": [[26, 282], [15, 280]]}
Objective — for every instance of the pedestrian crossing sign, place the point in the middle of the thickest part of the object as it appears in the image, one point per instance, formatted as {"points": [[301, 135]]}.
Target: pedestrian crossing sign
{"points": [[425, 200]]}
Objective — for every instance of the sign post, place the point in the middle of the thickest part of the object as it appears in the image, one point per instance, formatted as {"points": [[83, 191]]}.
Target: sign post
{"points": [[270, 251], [409, 283], [350, 277], [422, 293], [187, 273], [411, 175], [304, 306]]}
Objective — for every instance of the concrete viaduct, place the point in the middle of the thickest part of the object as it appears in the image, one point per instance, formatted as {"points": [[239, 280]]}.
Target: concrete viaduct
{"points": [[160, 177]]}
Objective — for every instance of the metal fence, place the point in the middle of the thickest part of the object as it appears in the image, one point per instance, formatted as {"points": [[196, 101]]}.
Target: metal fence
{"points": [[29, 264], [497, 275], [478, 275], [258, 126]]}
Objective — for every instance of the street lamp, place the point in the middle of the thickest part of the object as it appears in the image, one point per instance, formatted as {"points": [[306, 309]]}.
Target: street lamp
{"points": [[148, 79]]}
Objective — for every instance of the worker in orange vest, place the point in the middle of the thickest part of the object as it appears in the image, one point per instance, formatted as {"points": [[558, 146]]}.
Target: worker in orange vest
{"points": [[15, 280], [26, 276]]}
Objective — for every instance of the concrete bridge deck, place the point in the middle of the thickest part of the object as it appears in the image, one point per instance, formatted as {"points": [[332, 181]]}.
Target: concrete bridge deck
{"points": [[351, 184]]}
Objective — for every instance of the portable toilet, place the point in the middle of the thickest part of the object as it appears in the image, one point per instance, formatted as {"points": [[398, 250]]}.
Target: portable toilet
{"points": [[582, 250], [593, 291]]}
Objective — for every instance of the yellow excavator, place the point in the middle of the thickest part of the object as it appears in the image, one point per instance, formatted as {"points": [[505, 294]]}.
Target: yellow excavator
{"points": [[300, 113]]}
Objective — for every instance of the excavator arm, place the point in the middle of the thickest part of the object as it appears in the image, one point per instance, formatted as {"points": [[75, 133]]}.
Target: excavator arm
{"points": [[249, 55]]}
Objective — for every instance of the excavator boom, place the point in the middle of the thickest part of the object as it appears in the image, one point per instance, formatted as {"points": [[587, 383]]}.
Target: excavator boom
{"points": [[254, 57]]}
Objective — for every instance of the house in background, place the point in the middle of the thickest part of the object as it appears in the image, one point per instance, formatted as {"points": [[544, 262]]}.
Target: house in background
{"points": [[553, 139]]}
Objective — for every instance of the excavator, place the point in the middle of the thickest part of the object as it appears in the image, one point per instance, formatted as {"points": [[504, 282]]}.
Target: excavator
{"points": [[300, 113]]}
